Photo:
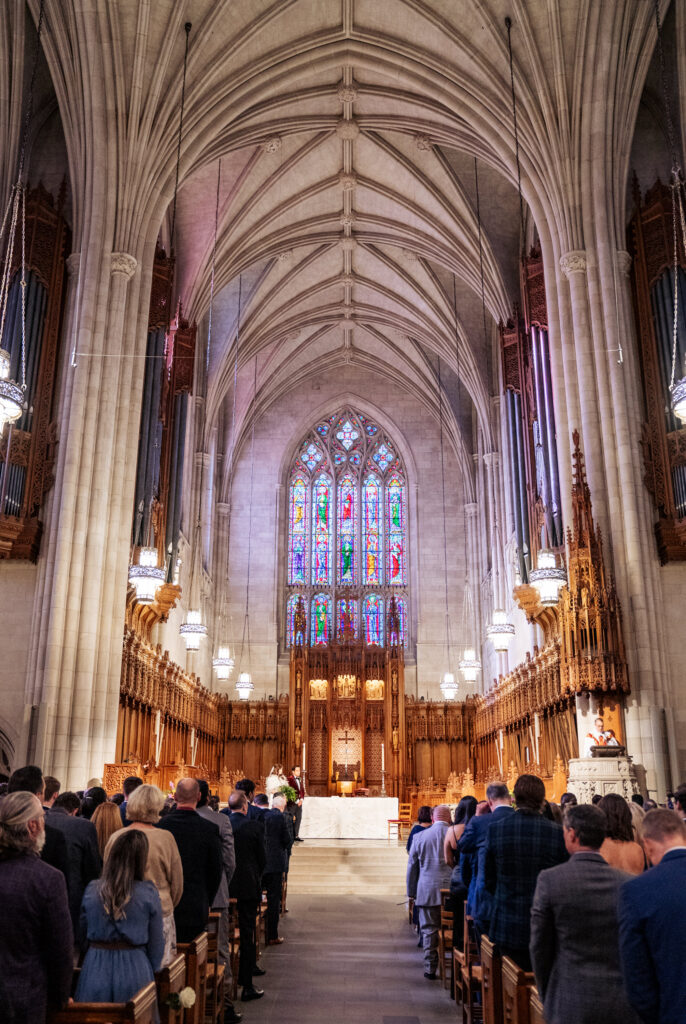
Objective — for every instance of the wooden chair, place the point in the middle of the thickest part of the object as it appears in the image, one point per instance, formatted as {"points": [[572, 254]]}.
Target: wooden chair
{"points": [[170, 980], [402, 823], [471, 975], [491, 983], [536, 1015], [195, 953], [141, 1009], [516, 986], [214, 992], [459, 957], [445, 939]]}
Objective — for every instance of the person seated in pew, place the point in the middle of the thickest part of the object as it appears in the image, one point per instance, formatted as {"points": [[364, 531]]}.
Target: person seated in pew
{"points": [[576, 956], [36, 942], [122, 918]]}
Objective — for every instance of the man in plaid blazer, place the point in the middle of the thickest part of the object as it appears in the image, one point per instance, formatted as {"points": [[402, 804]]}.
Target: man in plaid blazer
{"points": [[518, 848]]}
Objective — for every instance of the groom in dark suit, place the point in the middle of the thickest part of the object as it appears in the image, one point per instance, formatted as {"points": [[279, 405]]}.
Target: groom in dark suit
{"points": [[574, 929], [297, 783], [652, 923]]}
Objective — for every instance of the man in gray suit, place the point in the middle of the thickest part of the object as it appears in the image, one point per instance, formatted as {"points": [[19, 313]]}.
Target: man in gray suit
{"points": [[221, 900], [427, 874], [575, 930]]}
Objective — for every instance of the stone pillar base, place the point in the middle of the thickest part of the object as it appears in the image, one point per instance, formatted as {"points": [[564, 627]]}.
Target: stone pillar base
{"points": [[589, 775]]}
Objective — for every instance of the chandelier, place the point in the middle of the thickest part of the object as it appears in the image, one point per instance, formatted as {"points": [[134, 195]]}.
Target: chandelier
{"points": [[500, 631], [547, 578], [448, 686], [223, 663], [145, 576], [193, 630], [470, 665], [244, 686]]}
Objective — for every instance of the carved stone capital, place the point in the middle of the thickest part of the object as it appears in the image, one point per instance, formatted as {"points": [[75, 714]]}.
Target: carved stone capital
{"points": [[73, 263], [347, 129], [574, 262], [492, 459], [123, 263], [623, 261]]}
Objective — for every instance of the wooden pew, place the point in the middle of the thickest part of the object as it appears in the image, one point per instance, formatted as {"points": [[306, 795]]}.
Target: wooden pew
{"points": [[536, 1015], [516, 987], [491, 983], [195, 953], [214, 1005], [445, 939], [235, 946], [170, 980], [141, 1009]]}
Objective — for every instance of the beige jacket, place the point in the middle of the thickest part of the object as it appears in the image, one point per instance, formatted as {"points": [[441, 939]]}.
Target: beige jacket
{"points": [[164, 868]]}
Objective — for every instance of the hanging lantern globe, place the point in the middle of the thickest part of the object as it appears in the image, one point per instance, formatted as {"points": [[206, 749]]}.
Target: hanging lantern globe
{"points": [[145, 577], [470, 665], [449, 687], [500, 631], [244, 686], [547, 578], [11, 394], [223, 663], [679, 399], [193, 630]]}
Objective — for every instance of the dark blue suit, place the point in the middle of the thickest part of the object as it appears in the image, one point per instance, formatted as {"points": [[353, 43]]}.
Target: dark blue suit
{"points": [[652, 939], [518, 847], [472, 850]]}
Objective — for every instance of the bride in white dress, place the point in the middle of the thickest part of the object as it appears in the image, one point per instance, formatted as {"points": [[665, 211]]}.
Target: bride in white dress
{"points": [[274, 781]]}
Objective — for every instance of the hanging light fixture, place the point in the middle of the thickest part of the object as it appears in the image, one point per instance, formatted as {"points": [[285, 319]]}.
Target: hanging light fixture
{"points": [[244, 686], [470, 665], [547, 578], [193, 630], [11, 394], [677, 388], [500, 631], [449, 686], [145, 576], [223, 663]]}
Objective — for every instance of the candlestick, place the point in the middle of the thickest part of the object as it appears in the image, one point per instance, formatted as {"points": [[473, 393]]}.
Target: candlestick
{"points": [[303, 764], [383, 755]]}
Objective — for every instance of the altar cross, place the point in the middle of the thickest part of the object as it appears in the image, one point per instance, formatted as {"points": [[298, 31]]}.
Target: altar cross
{"points": [[346, 739]]}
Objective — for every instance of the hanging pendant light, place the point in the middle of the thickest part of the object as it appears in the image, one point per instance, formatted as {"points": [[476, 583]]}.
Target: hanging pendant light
{"points": [[223, 663], [145, 576], [500, 631], [448, 686], [11, 394], [547, 578], [193, 630], [470, 665], [244, 686]]}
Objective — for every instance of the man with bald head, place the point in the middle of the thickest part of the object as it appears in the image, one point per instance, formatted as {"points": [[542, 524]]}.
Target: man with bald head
{"points": [[200, 848], [428, 873]]}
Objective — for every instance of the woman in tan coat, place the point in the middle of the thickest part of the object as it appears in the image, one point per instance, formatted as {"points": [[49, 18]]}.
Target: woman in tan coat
{"points": [[163, 867]]}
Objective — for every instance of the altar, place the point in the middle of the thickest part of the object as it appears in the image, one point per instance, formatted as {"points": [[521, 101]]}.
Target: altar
{"points": [[335, 817]]}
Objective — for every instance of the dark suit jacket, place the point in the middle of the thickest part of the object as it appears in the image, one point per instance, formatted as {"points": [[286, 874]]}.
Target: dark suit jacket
{"points": [[472, 850], [575, 943], [84, 861], [652, 938], [36, 942], [248, 841], [277, 841], [201, 857], [519, 846], [54, 852], [254, 813]]}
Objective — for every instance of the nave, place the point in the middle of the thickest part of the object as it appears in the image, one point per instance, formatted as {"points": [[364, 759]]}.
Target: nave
{"points": [[348, 960]]}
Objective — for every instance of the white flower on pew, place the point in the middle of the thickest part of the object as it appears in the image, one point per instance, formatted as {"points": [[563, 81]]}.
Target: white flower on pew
{"points": [[182, 1000]]}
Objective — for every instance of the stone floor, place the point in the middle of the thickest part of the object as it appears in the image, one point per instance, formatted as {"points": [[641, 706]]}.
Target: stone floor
{"points": [[347, 960]]}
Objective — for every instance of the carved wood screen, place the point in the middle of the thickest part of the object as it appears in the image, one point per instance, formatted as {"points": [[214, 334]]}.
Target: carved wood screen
{"points": [[28, 473], [664, 438]]}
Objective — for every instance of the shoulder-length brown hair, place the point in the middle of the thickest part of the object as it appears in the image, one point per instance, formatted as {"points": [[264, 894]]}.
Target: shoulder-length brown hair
{"points": [[107, 821], [124, 866]]}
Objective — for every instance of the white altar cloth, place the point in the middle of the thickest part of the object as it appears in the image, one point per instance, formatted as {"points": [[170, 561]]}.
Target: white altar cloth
{"points": [[336, 817]]}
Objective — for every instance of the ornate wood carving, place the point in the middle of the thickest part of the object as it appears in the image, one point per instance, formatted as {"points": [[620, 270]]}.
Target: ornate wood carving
{"points": [[47, 239], [161, 291]]}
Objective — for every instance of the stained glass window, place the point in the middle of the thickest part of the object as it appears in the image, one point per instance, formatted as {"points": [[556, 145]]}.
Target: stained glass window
{"points": [[320, 629], [297, 547], [395, 530], [371, 531], [347, 530], [290, 620], [401, 606], [349, 608], [372, 618], [321, 531]]}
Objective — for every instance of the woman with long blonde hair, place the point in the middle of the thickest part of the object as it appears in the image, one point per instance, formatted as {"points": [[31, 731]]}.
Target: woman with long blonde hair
{"points": [[107, 821], [122, 917]]}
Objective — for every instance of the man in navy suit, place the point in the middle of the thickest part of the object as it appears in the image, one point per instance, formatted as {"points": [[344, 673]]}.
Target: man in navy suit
{"points": [[652, 924], [472, 850], [519, 846]]}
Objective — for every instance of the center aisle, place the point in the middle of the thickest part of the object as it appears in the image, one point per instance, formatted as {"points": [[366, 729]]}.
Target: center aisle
{"points": [[347, 960]]}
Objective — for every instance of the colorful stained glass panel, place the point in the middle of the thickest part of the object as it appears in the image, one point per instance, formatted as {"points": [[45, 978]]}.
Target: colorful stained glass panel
{"points": [[320, 629], [348, 608], [297, 547], [311, 456], [322, 518], [372, 529], [401, 605], [383, 457], [372, 619], [347, 435], [395, 531], [290, 621], [347, 531]]}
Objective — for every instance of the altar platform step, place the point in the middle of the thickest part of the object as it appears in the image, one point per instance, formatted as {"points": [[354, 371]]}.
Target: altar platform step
{"points": [[347, 867]]}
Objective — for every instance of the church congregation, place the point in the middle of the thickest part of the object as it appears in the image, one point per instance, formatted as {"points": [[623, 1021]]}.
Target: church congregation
{"points": [[342, 511]]}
